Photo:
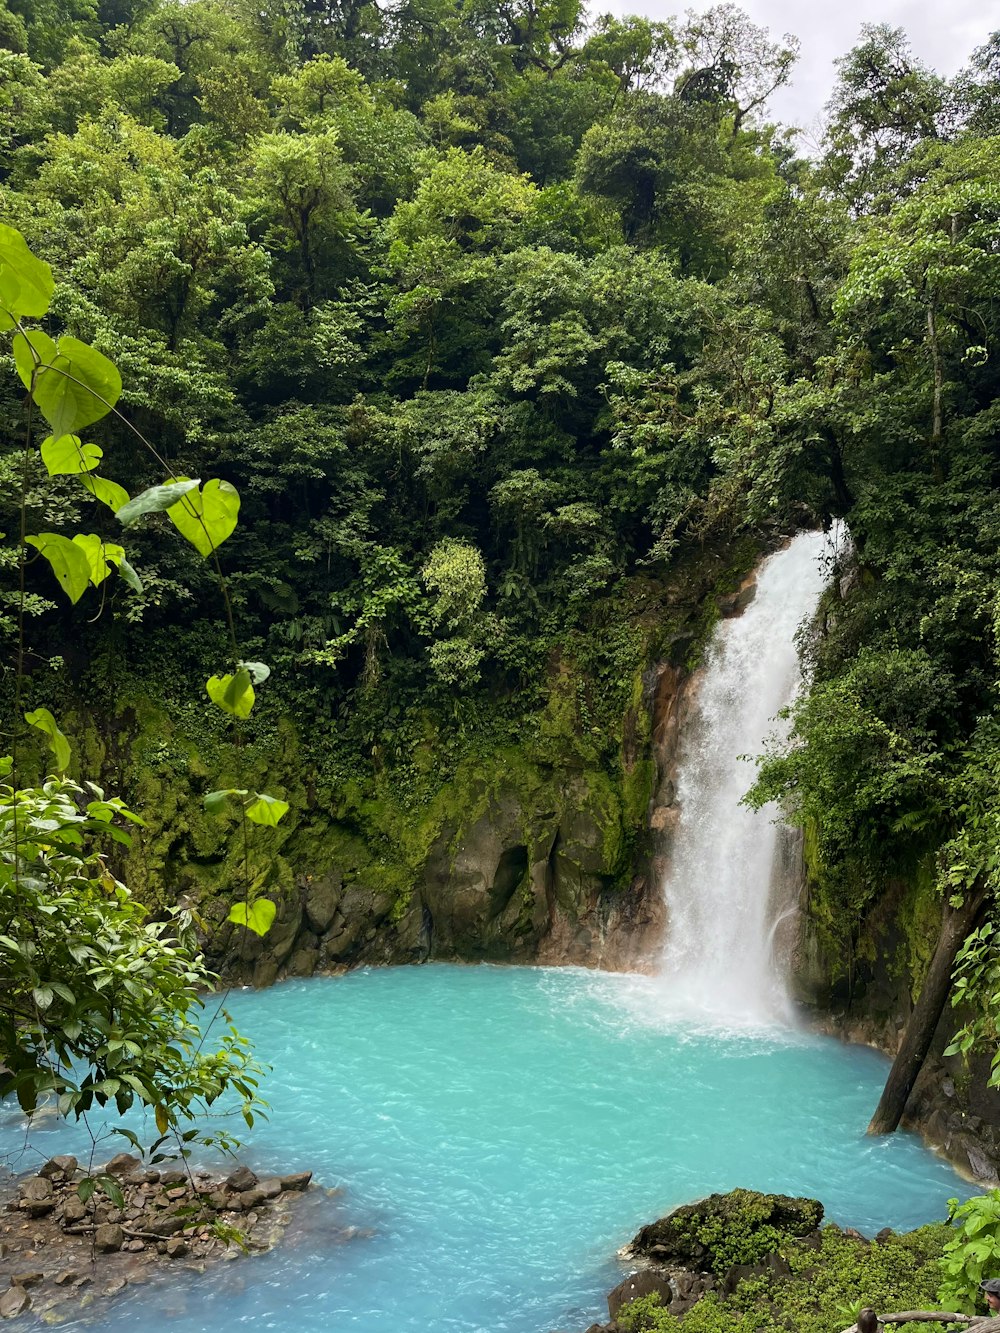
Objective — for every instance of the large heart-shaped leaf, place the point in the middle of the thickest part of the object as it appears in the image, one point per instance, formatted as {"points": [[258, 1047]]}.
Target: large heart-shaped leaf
{"points": [[207, 517], [32, 351], [266, 810], [75, 386], [64, 455], [26, 282], [69, 562], [233, 694], [257, 917], [100, 555], [155, 500], [58, 744], [108, 492]]}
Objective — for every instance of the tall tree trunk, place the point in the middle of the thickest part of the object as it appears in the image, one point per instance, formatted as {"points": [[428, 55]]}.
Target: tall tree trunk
{"points": [[919, 1034]]}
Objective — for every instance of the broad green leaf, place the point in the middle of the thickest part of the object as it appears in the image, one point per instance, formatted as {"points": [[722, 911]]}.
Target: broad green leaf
{"points": [[100, 555], [207, 517], [26, 282], [216, 801], [154, 500], [76, 387], [129, 575], [162, 1119], [42, 996], [267, 810], [233, 694], [257, 918], [258, 671], [31, 350], [108, 492], [58, 744], [64, 455], [69, 562]]}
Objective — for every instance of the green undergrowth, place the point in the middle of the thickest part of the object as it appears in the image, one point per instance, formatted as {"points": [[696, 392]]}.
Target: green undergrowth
{"points": [[826, 1288], [379, 780]]}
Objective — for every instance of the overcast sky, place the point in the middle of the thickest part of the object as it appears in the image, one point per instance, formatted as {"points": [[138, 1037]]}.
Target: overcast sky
{"points": [[942, 35]]}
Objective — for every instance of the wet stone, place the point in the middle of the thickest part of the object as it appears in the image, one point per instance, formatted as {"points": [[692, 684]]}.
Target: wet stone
{"points": [[108, 1238], [13, 1302]]}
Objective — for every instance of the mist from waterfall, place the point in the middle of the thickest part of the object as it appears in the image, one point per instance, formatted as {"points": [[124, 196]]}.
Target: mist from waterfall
{"points": [[724, 877]]}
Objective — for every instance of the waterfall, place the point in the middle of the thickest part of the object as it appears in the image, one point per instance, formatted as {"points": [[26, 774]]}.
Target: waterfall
{"points": [[724, 870]]}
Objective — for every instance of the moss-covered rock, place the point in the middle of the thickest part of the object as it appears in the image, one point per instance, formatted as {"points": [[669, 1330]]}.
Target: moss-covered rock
{"points": [[741, 1227]]}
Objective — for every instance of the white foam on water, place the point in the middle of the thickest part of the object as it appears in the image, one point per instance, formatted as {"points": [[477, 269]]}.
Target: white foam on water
{"points": [[720, 965]]}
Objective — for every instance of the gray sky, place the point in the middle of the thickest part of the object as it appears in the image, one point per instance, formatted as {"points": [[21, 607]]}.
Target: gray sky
{"points": [[942, 36]]}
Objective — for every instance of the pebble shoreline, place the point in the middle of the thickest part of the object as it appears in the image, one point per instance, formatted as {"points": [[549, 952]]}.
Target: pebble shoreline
{"points": [[57, 1249]]}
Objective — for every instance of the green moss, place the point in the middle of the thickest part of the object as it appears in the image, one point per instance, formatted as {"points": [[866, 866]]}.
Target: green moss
{"points": [[823, 1293]]}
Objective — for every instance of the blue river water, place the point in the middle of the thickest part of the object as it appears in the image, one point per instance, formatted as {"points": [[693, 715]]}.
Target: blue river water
{"points": [[498, 1133]]}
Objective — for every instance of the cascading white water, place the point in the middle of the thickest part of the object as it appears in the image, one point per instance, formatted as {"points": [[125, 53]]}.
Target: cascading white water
{"points": [[718, 960]]}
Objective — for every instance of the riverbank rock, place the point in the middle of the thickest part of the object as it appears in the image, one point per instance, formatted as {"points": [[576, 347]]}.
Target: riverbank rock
{"points": [[755, 1258], [739, 1228], [57, 1239]]}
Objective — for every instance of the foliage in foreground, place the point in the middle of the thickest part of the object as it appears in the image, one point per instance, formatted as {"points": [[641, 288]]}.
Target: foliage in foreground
{"points": [[826, 1288], [101, 1006]]}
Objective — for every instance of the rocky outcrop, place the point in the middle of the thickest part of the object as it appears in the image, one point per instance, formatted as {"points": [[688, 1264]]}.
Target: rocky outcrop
{"points": [[712, 1246]]}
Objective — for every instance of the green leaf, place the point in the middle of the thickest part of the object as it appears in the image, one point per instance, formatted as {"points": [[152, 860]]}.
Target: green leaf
{"points": [[64, 455], [58, 744], [85, 1189], [26, 282], [100, 555], [76, 387], [207, 517], [258, 671], [258, 917], [31, 350], [267, 810], [216, 801], [69, 562], [233, 694], [108, 492], [42, 996], [129, 575], [154, 500]]}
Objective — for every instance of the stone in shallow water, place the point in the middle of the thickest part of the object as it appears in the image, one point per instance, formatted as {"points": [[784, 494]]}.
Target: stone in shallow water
{"points": [[13, 1302]]}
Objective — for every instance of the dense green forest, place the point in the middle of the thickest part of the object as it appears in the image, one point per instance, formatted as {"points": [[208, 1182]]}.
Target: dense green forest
{"points": [[494, 315]]}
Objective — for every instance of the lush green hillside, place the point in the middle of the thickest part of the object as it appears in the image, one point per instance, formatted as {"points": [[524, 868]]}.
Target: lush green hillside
{"points": [[500, 318]]}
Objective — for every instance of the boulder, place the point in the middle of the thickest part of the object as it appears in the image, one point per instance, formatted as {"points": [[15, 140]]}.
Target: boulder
{"points": [[645, 1283], [299, 1180], [13, 1302], [241, 1180], [108, 1238], [37, 1196], [322, 898], [59, 1168], [74, 1210], [122, 1165], [741, 1227]]}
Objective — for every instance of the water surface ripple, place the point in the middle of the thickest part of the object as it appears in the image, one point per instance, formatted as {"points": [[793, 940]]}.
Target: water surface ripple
{"points": [[500, 1132]]}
